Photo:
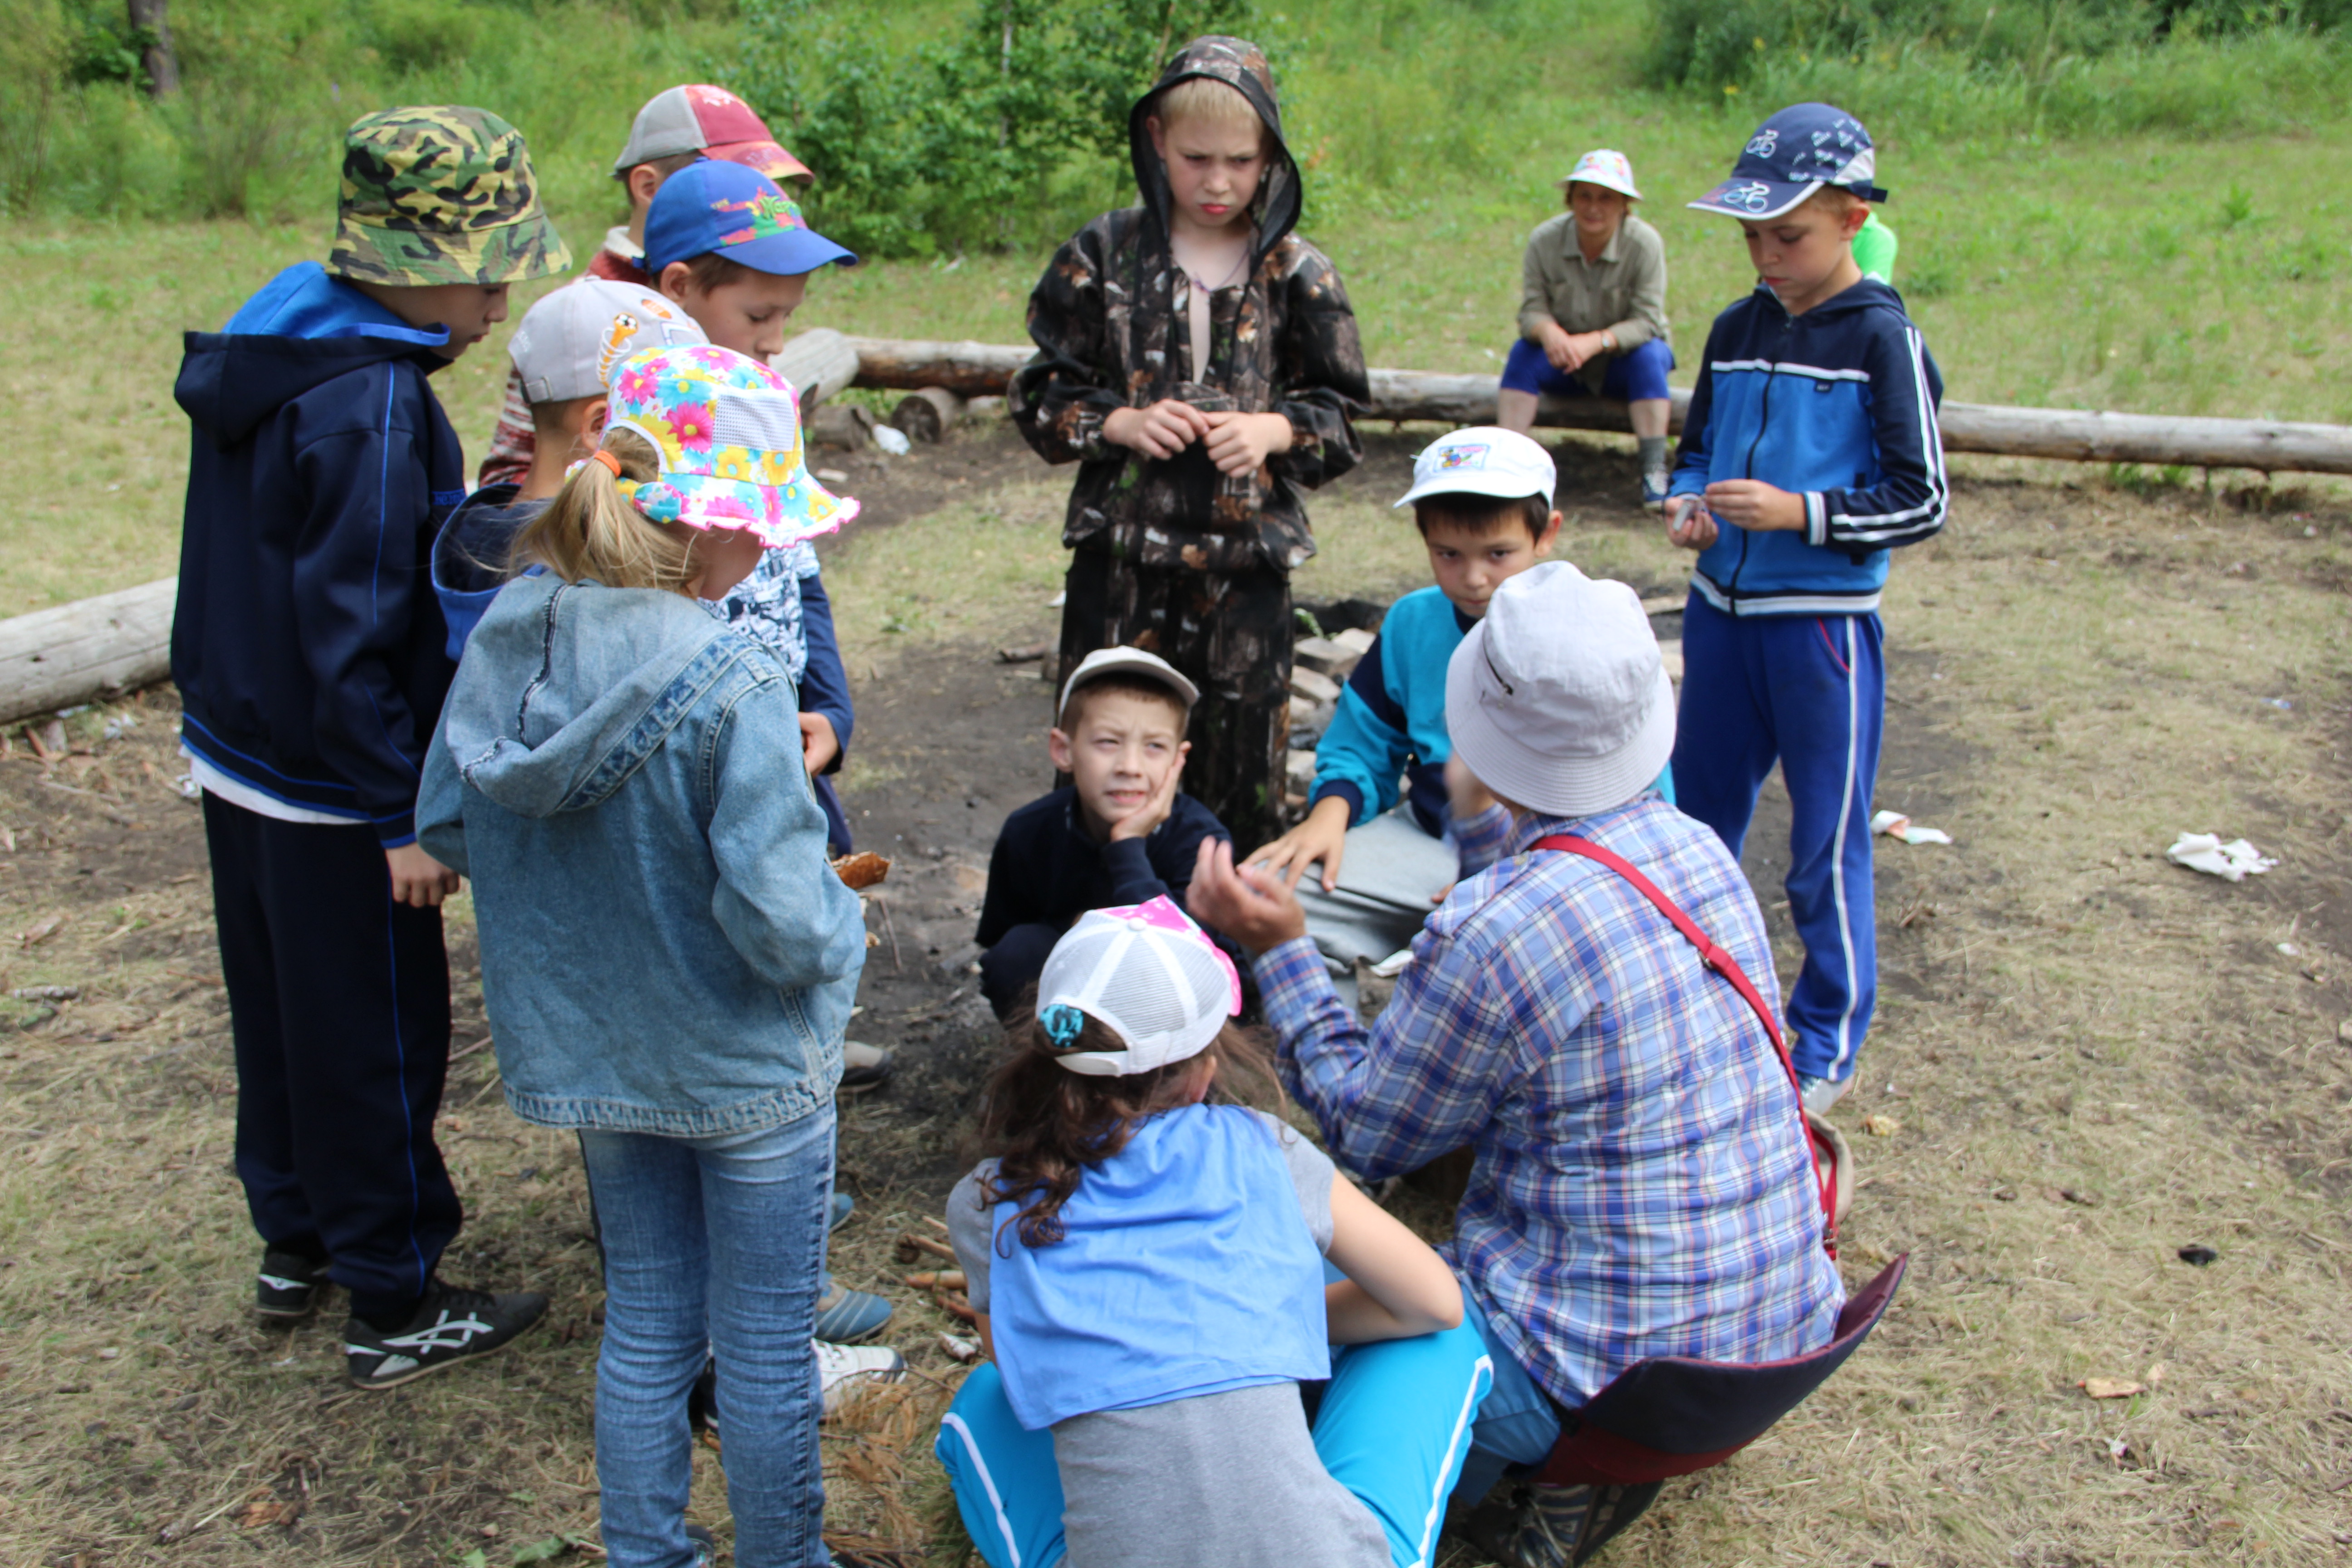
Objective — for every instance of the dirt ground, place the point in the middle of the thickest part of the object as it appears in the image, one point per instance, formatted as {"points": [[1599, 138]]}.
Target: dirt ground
{"points": [[2085, 1061]]}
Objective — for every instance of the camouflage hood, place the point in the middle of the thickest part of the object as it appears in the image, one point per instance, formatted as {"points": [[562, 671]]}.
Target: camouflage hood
{"points": [[1240, 65], [441, 195]]}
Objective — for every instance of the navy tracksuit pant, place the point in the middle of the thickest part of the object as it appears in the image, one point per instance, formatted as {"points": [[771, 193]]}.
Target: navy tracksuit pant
{"points": [[1810, 692], [339, 1000]]}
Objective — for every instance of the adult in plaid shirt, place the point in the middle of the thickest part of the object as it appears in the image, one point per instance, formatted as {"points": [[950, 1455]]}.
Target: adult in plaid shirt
{"points": [[1643, 1185]]}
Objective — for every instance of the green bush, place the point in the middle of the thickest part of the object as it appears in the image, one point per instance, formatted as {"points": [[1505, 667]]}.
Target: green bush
{"points": [[425, 34]]}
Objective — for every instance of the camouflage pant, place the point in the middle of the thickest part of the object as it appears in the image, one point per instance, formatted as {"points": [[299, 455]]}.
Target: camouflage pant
{"points": [[1229, 632]]}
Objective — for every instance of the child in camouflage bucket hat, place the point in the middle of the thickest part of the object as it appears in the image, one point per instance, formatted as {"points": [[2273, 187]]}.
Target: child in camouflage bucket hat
{"points": [[311, 659], [442, 195]]}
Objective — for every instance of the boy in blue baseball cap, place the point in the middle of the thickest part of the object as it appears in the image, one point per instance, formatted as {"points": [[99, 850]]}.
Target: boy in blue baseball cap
{"points": [[1782, 650]]}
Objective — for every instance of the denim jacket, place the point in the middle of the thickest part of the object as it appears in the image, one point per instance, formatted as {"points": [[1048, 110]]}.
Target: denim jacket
{"points": [[663, 948]]}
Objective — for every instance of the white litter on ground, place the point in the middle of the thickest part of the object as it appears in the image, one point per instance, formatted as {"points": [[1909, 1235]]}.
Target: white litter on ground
{"points": [[892, 440], [1894, 824], [2233, 862], [1392, 966]]}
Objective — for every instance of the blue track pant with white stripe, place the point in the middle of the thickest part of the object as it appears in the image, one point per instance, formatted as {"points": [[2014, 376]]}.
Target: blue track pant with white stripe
{"points": [[1810, 692]]}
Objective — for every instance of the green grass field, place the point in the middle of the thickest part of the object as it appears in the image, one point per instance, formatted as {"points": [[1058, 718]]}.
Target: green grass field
{"points": [[2162, 274]]}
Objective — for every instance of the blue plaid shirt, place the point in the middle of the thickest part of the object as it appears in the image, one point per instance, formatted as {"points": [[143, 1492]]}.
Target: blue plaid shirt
{"points": [[1643, 1186]]}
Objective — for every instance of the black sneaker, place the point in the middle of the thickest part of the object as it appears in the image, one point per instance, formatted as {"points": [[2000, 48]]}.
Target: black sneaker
{"points": [[449, 1325], [287, 1286]]}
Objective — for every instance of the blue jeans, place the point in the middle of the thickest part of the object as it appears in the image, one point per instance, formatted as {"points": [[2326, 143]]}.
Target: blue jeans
{"points": [[1392, 1429], [1810, 692], [712, 1246], [1633, 376]]}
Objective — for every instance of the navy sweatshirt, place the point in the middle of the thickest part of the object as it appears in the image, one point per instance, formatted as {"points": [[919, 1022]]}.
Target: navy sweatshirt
{"points": [[1047, 871], [306, 643], [1837, 405]]}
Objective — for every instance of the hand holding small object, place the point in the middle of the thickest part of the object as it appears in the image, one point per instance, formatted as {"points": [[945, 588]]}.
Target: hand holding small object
{"points": [[417, 878], [1689, 524], [1161, 430], [1240, 444]]}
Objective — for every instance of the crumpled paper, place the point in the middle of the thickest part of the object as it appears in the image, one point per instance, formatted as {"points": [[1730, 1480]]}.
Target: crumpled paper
{"points": [[1894, 824], [2233, 862]]}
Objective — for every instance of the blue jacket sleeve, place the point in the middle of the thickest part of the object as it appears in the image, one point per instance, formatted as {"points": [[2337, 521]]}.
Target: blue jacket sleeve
{"points": [[1365, 748], [824, 683], [1691, 457], [1908, 502], [358, 581]]}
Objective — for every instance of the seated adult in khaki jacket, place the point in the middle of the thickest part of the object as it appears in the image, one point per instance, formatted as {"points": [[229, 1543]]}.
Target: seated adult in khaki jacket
{"points": [[1592, 313]]}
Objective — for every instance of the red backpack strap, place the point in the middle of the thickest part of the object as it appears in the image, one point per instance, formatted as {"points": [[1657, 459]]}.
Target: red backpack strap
{"points": [[1720, 961]]}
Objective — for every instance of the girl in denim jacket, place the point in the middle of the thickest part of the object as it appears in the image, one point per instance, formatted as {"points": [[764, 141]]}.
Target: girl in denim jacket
{"points": [[667, 959]]}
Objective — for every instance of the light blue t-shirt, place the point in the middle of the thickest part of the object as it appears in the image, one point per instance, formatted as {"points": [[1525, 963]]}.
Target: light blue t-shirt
{"points": [[1188, 1267]]}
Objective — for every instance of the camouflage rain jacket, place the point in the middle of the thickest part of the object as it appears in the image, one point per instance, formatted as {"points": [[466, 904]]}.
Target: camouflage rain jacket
{"points": [[1109, 318]]}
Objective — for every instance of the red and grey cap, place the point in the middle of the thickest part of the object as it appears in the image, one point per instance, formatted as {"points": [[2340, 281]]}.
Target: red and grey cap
{"points": [[1793, 154], [713, 121]]}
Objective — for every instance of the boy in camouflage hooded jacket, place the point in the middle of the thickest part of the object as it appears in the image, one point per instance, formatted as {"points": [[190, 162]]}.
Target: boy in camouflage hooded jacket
{"points": [[1199, 402]]}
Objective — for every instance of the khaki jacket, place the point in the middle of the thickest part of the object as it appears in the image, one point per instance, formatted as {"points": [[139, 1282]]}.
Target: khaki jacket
{"points": [[1624, 292]]}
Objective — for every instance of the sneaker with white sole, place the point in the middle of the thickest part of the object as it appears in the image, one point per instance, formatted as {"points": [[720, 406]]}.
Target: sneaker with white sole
{"points": [[1653, 490], [287, 1285], [864, 1066], [449, 1325], [1820, 1093], [845, 1369]]}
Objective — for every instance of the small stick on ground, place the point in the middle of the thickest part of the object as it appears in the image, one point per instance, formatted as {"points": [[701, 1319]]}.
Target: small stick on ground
{"points": [[908, 1243], [891, 930]]}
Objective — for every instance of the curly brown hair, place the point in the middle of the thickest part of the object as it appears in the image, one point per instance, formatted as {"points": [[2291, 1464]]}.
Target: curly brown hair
{"points": [[1045, 1124]]}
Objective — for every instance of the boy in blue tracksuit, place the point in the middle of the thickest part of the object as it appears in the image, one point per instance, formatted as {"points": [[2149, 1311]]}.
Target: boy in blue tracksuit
{"points": [[1810, 451], [309, 653]]}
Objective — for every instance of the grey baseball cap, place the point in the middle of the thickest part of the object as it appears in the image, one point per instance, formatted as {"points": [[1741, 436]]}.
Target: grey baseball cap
{"points": [[713, 121], [569, 342]]}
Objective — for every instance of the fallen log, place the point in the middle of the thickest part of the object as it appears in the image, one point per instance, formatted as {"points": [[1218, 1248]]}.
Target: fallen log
{"points": [[2068, 435], [819, 364], [85, 651]]}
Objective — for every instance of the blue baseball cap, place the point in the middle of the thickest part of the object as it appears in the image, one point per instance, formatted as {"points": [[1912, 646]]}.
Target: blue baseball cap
{"points": [[715, 207], [1793, 154]]}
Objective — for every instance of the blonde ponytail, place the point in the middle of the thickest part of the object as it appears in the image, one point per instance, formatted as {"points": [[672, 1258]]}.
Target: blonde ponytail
{"points": [[590, 529]]}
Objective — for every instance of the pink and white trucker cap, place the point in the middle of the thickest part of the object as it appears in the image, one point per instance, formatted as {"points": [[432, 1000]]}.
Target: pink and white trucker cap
{"points": [[1146, 973], [713, 121]]}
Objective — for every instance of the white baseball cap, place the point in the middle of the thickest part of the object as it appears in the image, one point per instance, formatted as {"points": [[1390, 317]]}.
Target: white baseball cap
{"points": [[1132, 660], [1484, 460], [1147, 973], [1558, 699], [569, 342], [1604, 166]]}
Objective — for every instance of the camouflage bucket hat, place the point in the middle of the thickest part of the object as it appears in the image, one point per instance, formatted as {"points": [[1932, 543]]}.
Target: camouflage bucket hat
{"points": [[441, 195]]}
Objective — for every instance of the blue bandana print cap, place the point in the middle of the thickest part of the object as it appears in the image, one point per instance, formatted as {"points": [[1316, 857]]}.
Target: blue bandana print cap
{"points": [[1793, 154]]}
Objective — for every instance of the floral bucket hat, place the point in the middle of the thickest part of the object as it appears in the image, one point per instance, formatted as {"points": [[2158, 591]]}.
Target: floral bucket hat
{"points": [[727, 429]]}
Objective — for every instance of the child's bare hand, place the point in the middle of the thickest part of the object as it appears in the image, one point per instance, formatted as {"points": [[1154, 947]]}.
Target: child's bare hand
{"points": [[819, 744], [1323, 837], [1689, 524], [1159, 431], [1240, 444], [1755, 505], [1255, 910], [1140, 822], [419, 879]]}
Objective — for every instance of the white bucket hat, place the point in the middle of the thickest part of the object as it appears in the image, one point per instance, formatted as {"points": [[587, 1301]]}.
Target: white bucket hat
{"points": [[1603, 167], [1147, 973], [1557, 700]]}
